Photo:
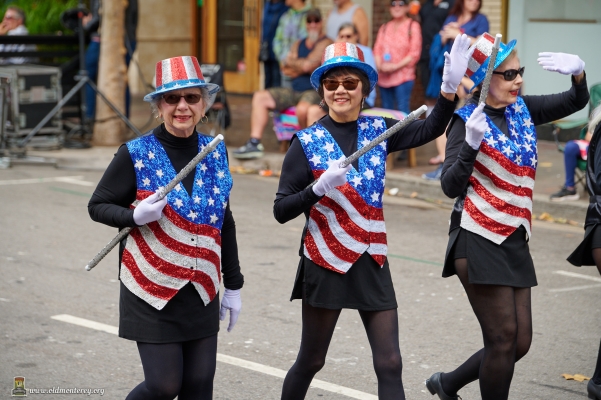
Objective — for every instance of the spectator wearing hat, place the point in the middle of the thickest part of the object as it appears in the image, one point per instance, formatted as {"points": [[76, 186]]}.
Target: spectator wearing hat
{"points": [[13, 24], [303, 58], [489, 170], [171, 262], [344, 12], [343, 251], [397, 50]]}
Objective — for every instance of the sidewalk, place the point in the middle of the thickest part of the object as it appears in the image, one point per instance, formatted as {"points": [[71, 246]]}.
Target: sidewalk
{"points": [[408, 181]]}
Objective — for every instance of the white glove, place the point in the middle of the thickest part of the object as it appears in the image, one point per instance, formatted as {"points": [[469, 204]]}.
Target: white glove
{"points": [[561, 62], [475, 127], [455, 64], [231, 301], [334, 176], [149, 209]]}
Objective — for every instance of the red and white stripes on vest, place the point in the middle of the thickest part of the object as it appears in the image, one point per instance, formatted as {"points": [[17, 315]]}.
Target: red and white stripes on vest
{"points": [[499, 194], [348, 221], [184, 245]]}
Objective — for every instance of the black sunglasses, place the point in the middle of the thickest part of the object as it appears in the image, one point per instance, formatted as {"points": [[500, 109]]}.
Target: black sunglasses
{"points": [[397, 3], [191, 98], [345, 36], [348, 84], [313, 20], [510, 74]]}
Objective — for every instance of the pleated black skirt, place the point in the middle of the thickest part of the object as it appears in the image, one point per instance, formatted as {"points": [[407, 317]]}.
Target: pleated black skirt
{"points": [[184, 318], [366, 286], [505, 264]]}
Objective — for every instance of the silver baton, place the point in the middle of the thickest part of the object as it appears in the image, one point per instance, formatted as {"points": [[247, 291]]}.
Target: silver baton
{"points": [[162, 193], [491, 67], [388, 133]]}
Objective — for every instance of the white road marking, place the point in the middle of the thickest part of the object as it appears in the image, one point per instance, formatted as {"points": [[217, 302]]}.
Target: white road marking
{"points": [[568, 289], [577, 275], [264, 369], [75, 180]]}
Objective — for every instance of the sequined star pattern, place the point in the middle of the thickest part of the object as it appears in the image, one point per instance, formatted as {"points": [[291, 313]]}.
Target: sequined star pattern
{"points": [[348, 220], [185, 244]]}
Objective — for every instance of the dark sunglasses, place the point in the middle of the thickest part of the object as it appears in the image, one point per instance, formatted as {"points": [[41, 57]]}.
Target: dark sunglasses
{"points": [[398, 3], [345, 36], [348, 84], [313, 20], [510, 74], [191, 98]]}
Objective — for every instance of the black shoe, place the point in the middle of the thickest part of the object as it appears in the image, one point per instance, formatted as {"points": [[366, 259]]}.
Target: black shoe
{"points": [[594, 390], [434, 386], [249, 151], [565, 194]]}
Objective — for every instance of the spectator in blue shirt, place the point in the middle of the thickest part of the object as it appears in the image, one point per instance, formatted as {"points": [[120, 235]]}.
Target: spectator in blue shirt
{"points": [[271, 15]]}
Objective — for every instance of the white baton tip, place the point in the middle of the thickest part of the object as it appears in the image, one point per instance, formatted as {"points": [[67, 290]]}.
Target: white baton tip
{"points": [[422, 109], [88, 268], [219, 137], [498, 37]]}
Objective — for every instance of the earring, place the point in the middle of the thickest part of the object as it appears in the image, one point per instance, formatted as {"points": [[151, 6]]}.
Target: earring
{"points": [[322, 104], [362, 102], [206, 119]]}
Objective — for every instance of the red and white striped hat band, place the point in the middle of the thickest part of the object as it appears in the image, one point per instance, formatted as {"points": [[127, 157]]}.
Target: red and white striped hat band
{"points": [[179, 73], [483, 50], [476, 66], [341, 50]]}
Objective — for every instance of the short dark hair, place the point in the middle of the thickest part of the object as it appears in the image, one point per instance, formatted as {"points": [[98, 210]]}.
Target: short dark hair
{"points": [[349, 25], [342, 71], [19, 12]]}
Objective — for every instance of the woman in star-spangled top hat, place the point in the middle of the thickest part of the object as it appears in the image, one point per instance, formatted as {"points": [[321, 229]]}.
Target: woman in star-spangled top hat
{"points": [[343, 247], [489, 169], [171, 263]]}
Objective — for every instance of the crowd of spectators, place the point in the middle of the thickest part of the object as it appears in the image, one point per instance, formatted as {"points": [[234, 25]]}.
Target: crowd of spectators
{"points": [[410, 46]]}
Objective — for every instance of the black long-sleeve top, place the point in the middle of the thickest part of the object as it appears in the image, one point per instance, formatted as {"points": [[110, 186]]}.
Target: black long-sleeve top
{"points": [[460, 157], [117, 189], [294, 198]]}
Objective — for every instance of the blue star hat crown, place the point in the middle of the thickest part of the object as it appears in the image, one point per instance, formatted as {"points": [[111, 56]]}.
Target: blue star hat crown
{"points": [[343, 55], [478, 63]]}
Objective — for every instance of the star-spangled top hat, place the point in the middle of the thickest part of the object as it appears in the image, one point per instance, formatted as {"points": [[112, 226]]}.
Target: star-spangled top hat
{"points": [[478, 63], [181, 73], [343, 55]]}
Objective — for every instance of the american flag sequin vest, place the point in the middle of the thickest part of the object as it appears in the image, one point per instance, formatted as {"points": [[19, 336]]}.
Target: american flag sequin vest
{"points": [[499, 194], [184, 245], [348, 220]]}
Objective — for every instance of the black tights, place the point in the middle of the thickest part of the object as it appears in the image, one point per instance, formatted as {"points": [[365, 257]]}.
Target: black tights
{"points": [[182, 369], [382, 328], [597, 375], [505, 317]]}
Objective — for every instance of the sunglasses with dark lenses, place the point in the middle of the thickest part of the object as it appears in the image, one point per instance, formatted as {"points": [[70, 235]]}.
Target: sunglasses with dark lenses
{"points": [[345, 36], [313, 20], [510, 74], [348, 84], [191, 98], [398, 3]]}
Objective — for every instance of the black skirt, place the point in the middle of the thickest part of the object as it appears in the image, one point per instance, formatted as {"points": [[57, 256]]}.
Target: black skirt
{"points": [[506, 264], [583, 255], [366, 286], [184, 317]]}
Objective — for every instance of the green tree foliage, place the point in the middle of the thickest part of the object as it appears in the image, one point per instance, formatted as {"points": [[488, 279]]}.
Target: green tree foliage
{"points": [[42, 16]]}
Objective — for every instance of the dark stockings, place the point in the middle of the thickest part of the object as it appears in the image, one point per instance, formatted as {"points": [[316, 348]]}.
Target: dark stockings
{"points": [[182, 369], [597, 375], [318, 327], [505, 317]]}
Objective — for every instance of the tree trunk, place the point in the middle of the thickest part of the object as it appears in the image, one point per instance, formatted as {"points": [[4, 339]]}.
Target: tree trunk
{"points": [[110, 129]]}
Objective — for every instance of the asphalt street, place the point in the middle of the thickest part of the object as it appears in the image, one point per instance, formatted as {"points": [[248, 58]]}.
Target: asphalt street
{"points": [[47, 238]]}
